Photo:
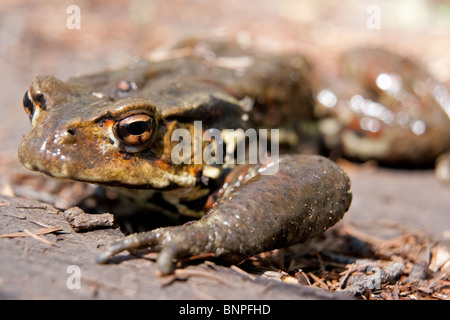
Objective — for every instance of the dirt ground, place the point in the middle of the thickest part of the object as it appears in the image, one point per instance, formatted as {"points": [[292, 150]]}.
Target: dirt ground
{"points": [[392, 210]]}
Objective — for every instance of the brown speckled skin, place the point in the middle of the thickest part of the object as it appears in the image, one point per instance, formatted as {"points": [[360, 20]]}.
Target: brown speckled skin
{"points": [[307, 196], [74, 137], [176, 94], [74, 121]]}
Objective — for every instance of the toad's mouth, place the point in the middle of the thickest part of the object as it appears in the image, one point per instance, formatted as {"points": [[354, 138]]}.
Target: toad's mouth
{"points": [[73, 163], [101, 181]]}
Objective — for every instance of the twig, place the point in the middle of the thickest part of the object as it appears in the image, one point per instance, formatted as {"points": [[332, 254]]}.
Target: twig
{"points": [[35, 236], [26, 233], [350, 230], [243, 272], [317, 280], [346, 274], [184, 273], [42, 224], [32, 207]]}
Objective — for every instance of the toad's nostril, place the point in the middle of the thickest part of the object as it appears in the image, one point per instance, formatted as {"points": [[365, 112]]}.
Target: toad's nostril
{"points": [[71, 131]]}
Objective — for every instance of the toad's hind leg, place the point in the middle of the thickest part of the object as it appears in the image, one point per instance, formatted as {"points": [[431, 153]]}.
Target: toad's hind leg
{"points": [[307, 195]]}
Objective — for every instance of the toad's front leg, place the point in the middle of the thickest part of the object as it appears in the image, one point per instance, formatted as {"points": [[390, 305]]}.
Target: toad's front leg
{"points": [[306, 196]]}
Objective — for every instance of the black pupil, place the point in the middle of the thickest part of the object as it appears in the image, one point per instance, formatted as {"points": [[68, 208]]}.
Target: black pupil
{"points": [[137, 128]]}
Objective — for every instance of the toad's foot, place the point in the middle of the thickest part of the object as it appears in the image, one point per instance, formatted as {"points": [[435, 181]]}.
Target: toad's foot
{"points": [[307, 195]]}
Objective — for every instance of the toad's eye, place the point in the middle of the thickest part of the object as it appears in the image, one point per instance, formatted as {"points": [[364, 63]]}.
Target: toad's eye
{"points": [[32, 101], [135, 130], [28, 105]]}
